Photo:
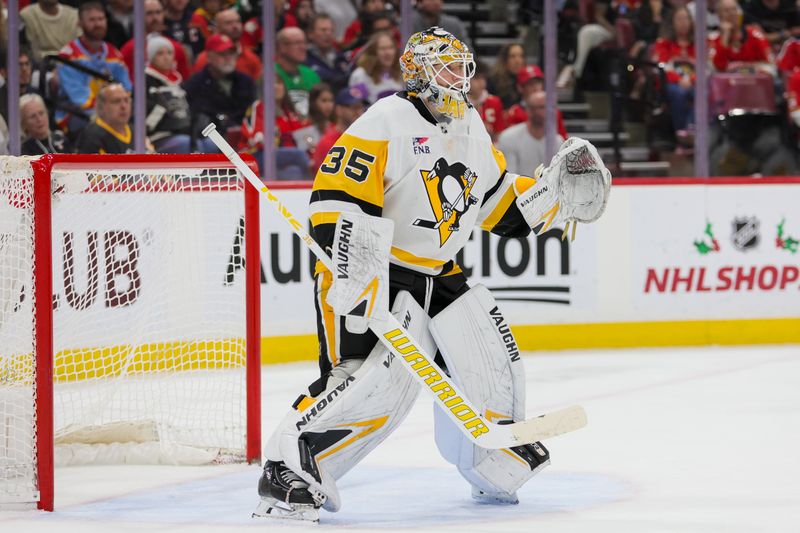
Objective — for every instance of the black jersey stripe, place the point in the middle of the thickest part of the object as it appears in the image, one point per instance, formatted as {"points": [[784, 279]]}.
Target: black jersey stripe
{"points": [[322, 195], [512, 223], [493, 189]]}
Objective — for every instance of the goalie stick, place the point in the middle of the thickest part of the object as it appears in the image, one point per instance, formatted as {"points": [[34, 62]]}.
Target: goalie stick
{"points": [[421, 365]]}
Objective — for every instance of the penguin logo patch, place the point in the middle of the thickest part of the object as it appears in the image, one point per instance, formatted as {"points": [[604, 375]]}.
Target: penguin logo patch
{"points": [[449, 189]]}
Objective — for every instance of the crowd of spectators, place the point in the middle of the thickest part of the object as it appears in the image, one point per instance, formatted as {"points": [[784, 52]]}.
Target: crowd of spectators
{"points": [[203, 64], [334, 58], [747, 39]]}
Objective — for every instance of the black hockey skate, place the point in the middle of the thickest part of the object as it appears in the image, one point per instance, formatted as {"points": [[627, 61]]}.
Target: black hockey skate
{"points": [[284, 494]]}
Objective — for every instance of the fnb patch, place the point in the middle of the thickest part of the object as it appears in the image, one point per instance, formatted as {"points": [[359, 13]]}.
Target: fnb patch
{"points": [[418, 143]]}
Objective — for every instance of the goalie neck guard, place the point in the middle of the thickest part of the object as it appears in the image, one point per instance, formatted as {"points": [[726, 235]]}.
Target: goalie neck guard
{"points": [[437, 67]]}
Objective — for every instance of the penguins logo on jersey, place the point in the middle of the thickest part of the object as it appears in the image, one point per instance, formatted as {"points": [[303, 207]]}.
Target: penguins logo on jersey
{"points": [[449, 189]]}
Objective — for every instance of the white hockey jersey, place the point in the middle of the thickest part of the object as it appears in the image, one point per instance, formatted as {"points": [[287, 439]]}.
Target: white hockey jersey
{"points": [[435, 184]]}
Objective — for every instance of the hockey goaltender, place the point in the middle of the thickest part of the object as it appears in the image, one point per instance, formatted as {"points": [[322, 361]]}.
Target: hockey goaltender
{"points": [[418, 172]]}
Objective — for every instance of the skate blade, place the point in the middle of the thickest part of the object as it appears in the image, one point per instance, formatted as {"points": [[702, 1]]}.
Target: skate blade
{"points": [[494, 499], [272, 508]]}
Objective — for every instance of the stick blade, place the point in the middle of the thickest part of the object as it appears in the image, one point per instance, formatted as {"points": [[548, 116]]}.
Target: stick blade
{"points": [[550, 425]]}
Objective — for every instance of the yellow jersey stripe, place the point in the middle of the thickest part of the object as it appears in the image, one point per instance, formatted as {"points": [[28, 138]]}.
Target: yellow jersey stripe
{"points": [[500, 159], [324, 218], [328, 317], [499, 210], [411, 259]]}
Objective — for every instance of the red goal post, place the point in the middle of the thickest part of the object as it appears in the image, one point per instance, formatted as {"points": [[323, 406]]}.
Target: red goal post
{"points": [[137, 278]]}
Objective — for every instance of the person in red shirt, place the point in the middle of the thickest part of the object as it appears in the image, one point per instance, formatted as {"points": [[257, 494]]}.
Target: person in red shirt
{"points": [[154, 26], [292, 163], [488, 105], [789, 65], [229, 22], [530, 79], [793, 97], [736, 43], [675, 52], [789, 56], [203, 16], [287, 120], [350, 104], [303, 11], [354, 30]]}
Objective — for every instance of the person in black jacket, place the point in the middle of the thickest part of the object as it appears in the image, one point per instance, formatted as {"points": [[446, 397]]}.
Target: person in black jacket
{"points": [[39, 139], [119, 20], [323, 57], [219, 93], [168, 117]]}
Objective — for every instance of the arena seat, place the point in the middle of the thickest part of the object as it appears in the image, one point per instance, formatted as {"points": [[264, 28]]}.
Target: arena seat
{"points": [[735, 94], [233, 135]]}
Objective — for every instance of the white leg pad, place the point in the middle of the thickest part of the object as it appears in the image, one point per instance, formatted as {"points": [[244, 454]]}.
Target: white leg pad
{"points": [[483, 359], [363, 402]]}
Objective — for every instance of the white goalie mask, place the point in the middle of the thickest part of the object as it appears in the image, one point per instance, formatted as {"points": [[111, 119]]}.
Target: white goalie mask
{"points": [[437, 67]]}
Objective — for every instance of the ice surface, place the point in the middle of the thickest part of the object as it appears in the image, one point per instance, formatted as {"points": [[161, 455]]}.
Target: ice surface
{"points": [[679, 440]]}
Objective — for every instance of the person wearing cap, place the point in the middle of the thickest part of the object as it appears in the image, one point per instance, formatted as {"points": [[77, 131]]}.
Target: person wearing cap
{"points": [[290, 53], [168, 119], [350, 104], [154, 26], [219, 93], [229, 22], [488, 105], [530, 79]]}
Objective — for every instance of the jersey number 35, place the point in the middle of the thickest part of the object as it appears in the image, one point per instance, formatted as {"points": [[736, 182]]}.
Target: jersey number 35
{"points": [[356, 167]]}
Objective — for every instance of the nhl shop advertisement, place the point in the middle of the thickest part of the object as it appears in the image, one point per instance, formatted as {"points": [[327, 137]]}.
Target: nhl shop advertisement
{"points": [[719, 252]]}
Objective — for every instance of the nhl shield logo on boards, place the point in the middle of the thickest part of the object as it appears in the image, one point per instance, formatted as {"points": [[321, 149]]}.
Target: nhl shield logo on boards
{"points": [[745, 233]]}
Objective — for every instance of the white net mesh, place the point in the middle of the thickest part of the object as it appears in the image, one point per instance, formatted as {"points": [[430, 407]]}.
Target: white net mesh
{"points": [[17, 363], [148, 322]]}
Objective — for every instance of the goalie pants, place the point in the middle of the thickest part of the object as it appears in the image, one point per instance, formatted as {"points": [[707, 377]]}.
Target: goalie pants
{"points": [[338, 343]]}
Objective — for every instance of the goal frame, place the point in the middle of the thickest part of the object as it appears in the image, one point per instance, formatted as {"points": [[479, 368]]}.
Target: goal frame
{"points": [[43, 293]]}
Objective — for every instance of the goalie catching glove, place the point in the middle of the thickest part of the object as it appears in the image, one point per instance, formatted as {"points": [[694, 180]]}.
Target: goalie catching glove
{"points": [[573, 188]]}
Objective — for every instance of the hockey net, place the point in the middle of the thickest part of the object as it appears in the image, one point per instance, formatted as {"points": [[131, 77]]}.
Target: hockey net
{"points": [[128, 321]]}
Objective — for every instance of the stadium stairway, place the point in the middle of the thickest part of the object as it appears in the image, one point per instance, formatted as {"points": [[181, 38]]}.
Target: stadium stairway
{"points": [[493, 24], [588, 117]]}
